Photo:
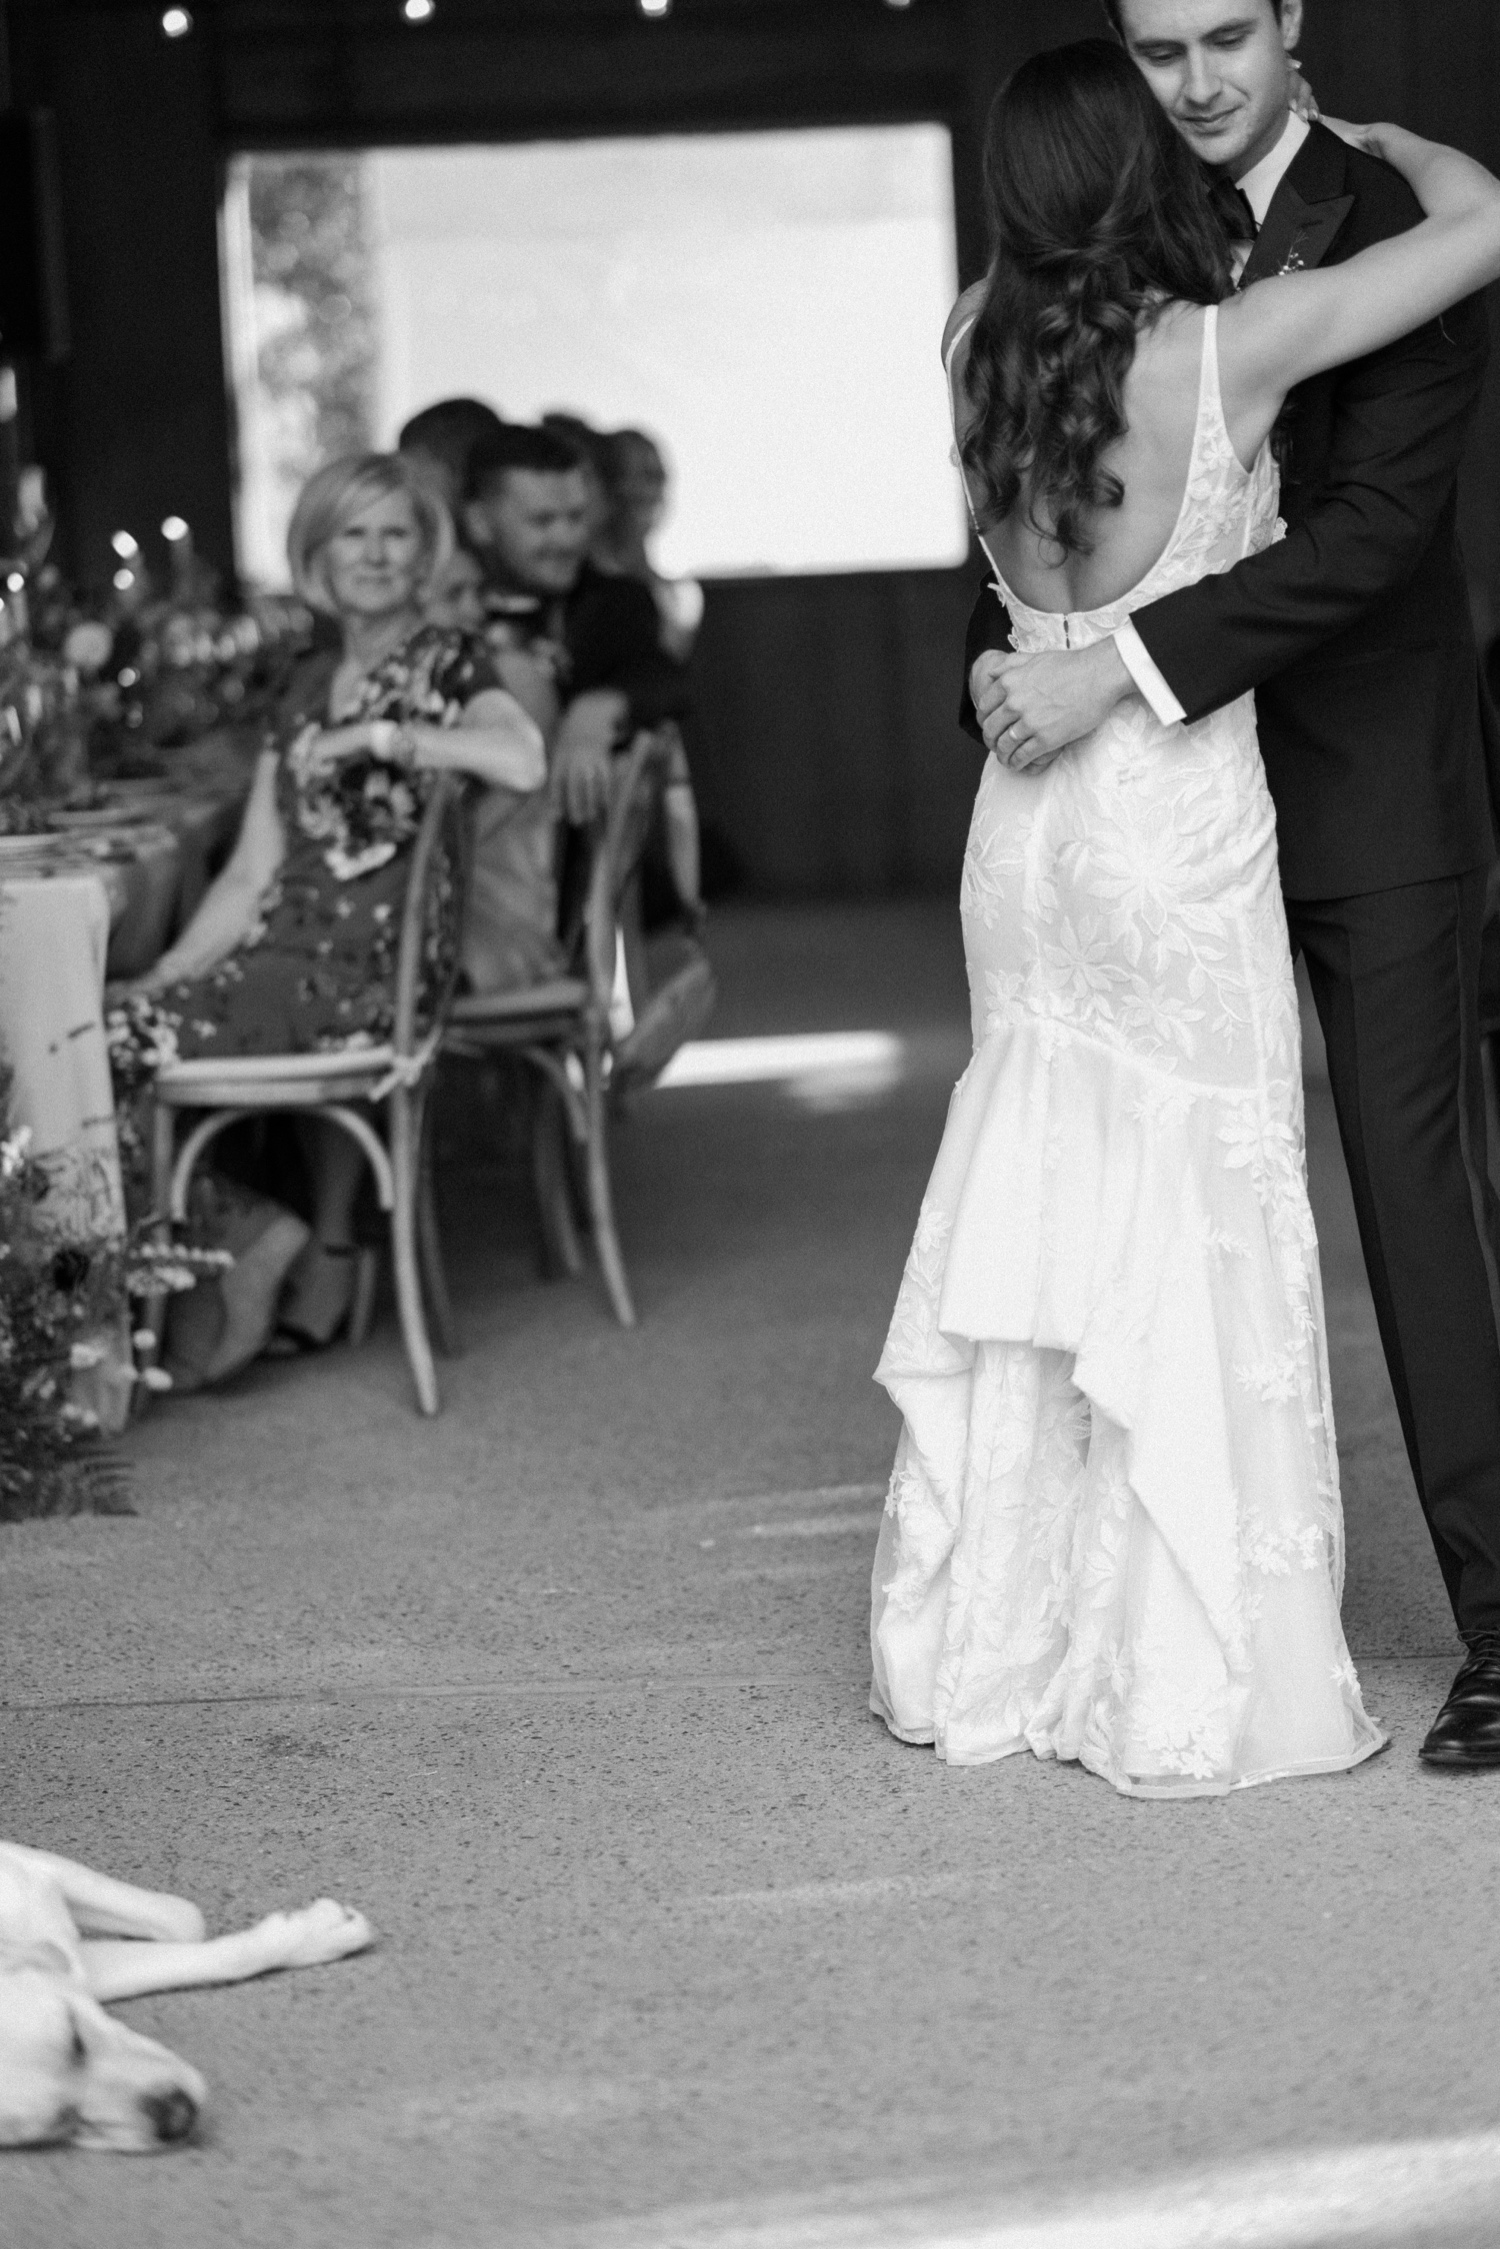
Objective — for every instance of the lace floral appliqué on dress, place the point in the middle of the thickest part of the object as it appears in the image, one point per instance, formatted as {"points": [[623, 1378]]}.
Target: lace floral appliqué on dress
{"points": [[1114, 1532]]}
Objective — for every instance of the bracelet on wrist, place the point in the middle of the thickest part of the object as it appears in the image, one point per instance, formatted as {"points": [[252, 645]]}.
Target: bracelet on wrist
{"points": [[393, 743]]}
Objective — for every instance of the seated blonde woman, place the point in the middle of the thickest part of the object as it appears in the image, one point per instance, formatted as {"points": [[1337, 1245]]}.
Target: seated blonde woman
{"points": [[293, 948]]}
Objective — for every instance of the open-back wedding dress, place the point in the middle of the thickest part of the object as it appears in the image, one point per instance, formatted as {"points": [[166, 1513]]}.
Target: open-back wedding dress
{"points": [[1114, 1531]]}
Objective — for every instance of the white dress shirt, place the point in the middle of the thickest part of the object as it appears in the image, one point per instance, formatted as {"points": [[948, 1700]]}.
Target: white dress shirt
{"points": [[1258, 187], [1262, 180]]}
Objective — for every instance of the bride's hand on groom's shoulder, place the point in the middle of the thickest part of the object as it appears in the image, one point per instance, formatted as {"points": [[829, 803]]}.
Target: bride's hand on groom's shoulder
{"points": [[1366, 137], [1032, 708], [1304, 100]]}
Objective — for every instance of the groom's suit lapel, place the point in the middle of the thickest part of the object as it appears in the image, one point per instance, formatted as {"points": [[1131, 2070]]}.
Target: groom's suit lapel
{"points": [[1307, 212]]}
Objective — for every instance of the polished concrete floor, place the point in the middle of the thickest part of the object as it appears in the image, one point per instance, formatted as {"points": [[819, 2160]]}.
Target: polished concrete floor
{"points": [[567, 1691]]}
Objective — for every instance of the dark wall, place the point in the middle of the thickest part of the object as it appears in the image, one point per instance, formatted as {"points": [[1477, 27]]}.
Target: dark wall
{"points": [[135, 426], [825, 742], [1436, 68]]}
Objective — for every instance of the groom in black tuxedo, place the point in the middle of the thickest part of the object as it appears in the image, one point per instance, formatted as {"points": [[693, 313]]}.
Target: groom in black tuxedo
{"points": [[1355, 634]]}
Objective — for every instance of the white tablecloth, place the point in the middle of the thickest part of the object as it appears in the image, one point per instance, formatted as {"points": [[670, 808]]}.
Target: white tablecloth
{"points": [[54, 935]]}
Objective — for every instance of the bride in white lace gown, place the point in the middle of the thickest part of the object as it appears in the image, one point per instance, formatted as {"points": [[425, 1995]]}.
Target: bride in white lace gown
{"points": [[1114, 1530]]}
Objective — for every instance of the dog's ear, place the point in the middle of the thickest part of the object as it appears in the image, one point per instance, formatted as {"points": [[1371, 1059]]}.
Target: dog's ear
{"points": [[36, 2023]]}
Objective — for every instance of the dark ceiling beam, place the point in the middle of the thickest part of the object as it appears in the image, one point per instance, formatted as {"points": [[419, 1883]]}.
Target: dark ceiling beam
{"points": [[540, 70]]}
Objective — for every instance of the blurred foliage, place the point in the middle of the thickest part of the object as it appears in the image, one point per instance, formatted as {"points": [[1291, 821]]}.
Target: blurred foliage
{"points": [[54, 1297], [314, 298]]}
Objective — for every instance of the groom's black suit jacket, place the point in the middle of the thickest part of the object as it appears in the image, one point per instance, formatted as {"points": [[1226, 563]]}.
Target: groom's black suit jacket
{"points": [[1355, 631]]}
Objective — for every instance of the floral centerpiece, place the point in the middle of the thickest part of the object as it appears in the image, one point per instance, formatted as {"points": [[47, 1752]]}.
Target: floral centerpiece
{"points": [[94, 689]]}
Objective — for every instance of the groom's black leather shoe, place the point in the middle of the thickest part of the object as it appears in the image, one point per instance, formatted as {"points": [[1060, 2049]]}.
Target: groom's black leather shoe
{"points": [[1467, 1730]]}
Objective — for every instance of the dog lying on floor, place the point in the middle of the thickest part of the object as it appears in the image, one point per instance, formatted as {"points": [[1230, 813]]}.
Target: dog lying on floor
{"points": [[71, 1939]]}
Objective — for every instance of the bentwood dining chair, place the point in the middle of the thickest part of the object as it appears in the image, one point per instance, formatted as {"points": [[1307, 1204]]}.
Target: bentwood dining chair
{"points": [[352, 1090], [562, 1029]]}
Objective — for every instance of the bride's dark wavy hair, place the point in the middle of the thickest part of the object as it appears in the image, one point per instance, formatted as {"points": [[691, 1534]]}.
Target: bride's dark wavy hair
{"points": [[1100, 215]]}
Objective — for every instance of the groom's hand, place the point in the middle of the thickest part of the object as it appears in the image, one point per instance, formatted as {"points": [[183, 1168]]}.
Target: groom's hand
{"points": [[1031, 708]]}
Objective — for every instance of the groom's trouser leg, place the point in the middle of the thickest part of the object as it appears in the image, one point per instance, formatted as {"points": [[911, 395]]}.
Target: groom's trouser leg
{"points": [[1396, 980]]}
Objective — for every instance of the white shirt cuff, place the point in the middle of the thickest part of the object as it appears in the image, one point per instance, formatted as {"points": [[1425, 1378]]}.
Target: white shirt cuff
{"points": [[1137, 661]]}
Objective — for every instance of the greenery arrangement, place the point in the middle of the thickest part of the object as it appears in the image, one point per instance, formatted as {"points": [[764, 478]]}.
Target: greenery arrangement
{"points": [[52, 1296], [57, 1297], [311, 257]]}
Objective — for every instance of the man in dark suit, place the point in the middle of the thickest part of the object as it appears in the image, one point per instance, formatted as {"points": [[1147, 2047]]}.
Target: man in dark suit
{"points": [[1355, 634], [528, 516]]}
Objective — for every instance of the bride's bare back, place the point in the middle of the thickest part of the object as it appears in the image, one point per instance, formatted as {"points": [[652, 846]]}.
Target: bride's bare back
{"points": [[1151, 460], [1271, 338]]}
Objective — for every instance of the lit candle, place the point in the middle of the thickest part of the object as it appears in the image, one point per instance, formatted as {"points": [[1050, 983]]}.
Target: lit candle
{"points": [[15, 602], [180, 539]]}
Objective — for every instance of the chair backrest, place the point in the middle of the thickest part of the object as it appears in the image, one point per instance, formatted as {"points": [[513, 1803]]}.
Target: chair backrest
{"points": [[619, 845], [432, 920]]}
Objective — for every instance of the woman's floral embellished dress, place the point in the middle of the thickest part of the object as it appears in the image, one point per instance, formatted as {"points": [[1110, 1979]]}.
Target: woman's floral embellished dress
{"points": [[1114, 1531], [317, 972]]}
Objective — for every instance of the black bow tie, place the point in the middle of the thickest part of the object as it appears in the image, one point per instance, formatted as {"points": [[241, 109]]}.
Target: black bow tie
{"points": [[1234, 208]]}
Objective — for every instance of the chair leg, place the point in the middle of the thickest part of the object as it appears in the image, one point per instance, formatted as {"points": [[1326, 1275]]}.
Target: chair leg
{"points": [[163, 1148], [404, 1138], [561, 1250], [430, 1242], [362, 1308], [601, 1199], [633, 944]]}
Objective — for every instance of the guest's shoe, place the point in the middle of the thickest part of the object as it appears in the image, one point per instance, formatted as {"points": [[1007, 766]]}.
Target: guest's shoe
{"points": [[1466, 1734], [223, 1325], [320, 1295]]}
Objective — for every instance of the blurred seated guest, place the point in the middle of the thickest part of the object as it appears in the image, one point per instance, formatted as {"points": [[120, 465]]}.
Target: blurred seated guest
{"points": [[455, 599], [637, 484], [528, 516], [293, 947], [441, 440], [592, 449], [510, 928]]}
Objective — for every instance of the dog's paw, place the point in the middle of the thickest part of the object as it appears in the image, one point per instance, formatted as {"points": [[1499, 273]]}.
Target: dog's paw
{"points": [[313, 1934]]}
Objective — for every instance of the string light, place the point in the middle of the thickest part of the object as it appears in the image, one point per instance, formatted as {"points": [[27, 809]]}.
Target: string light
{"points": [[174, 528], [655, 7], [15, 582], [418, 11], [125, 547], [124, 579], [176, 22]]}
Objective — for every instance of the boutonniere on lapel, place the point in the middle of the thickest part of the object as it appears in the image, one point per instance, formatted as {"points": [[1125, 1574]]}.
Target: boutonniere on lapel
{"points": [[1297, 235]]}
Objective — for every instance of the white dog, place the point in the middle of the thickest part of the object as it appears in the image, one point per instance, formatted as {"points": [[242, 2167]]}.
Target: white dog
{"points": [[68, 2072]]}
